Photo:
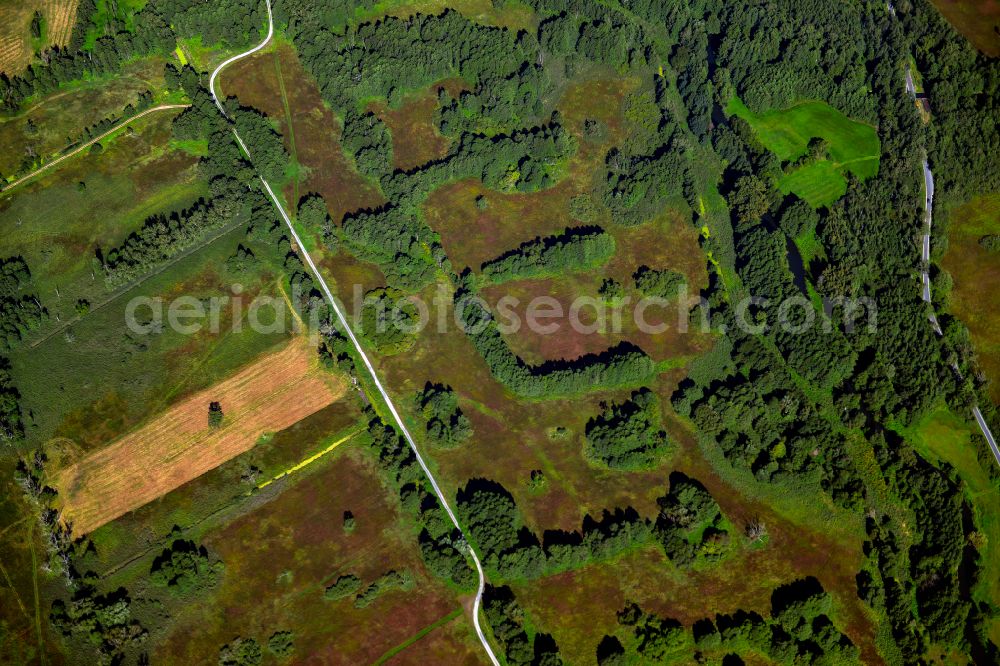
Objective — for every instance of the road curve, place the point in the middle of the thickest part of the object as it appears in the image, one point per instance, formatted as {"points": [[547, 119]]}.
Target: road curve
{"points": [[226, 63], [49, 165], [338, 310]]}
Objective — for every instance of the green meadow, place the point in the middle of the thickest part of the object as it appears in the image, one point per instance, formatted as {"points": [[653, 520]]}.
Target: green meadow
{"points": [[853, 147]]}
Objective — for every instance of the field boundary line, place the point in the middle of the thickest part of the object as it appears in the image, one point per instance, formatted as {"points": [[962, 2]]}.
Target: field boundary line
{"points": [[127, 121], [13, 589], [415, 638], [124, 289], [308, 461], [34, 581], [855, 160], [288, 120]]}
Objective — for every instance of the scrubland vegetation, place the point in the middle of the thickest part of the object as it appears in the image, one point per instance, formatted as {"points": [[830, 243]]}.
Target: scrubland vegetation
{"points": [[782, 140]]}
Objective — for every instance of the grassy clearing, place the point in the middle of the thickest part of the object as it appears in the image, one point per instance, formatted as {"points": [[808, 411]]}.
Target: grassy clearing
{"points": [[322, 165], [283, 544], [471, 235], [975, 297], [817, 184], [288, 550], [942, 436], [97, 379], [59, 119], [579, 607], [853, 147], [667, 242], [56, 225], [86, 377], [415, 136]]}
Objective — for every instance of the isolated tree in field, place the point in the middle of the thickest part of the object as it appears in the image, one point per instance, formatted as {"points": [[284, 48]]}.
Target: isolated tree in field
{"points": [[991, 242], [658, 283], [281, 644], [250, 475], [611, 291], [214, 415], [349, 522], [756, 530], [37, 21], [447, 426]]}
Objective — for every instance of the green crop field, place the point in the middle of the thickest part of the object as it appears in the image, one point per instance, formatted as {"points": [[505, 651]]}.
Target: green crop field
{"points": [[853, 147]]}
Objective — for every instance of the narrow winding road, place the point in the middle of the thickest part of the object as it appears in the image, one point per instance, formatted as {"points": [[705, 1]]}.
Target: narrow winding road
{"points": [[338, 310], [925, 260], [127, 121]]}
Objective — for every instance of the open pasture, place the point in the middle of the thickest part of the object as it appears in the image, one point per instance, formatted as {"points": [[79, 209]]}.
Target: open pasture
{"points": [[852, 146]]}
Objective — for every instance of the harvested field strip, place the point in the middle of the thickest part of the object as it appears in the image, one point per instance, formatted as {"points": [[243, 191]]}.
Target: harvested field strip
{"points": [[178, 445], [60, 15], [16, 50]]}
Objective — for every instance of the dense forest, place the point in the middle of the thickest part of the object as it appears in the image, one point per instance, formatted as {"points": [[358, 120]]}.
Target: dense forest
{"points": [[578, 249]]}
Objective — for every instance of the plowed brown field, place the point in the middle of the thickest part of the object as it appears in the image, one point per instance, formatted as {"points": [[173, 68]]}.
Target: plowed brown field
{"points": [[178, 445]]}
